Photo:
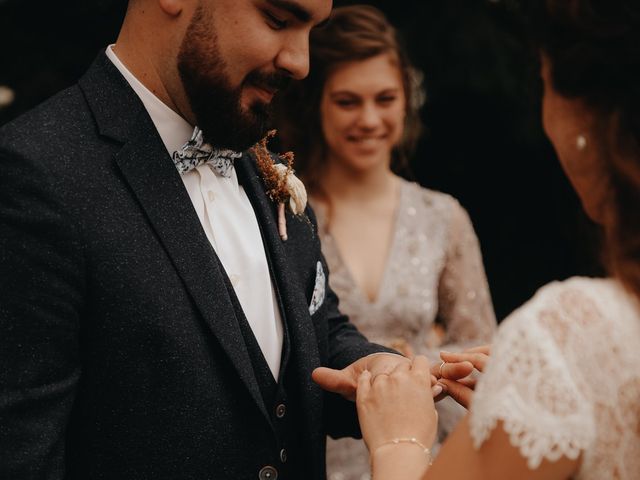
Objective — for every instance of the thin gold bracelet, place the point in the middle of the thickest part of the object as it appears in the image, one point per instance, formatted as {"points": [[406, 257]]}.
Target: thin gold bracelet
{"points": [[410, 440]]}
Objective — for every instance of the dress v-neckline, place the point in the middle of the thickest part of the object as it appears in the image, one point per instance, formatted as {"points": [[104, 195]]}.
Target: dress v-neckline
{"points": [[388, 261]]}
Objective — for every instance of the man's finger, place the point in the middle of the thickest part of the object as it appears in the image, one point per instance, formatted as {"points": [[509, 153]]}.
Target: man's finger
{"points": [[336, 381]]}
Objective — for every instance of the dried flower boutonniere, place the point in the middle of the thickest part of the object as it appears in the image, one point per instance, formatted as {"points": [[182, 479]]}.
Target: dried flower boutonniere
{"points": [[282, 185]]}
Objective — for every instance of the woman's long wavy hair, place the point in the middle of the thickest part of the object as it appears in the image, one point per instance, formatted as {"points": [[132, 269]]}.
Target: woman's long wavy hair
{"points": [[594, 50], [357, 32]]}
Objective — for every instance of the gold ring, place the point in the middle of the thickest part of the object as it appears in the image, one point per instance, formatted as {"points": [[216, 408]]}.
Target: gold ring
{"points": [[440, 370]]}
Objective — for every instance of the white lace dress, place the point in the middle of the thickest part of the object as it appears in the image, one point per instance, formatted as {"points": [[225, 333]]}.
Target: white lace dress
{"points": [[564, 377], [434, 269]]}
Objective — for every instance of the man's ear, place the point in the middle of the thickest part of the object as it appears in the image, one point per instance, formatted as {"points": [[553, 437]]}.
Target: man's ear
{"points": [[171, 7]]}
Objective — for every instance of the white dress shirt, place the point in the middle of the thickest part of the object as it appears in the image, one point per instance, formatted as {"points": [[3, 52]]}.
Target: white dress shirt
{"points": [[229, 222]]}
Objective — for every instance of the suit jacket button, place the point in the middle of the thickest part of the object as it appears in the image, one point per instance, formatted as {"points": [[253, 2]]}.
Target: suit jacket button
{"points": [[268, 473], [283, 455], [281, 410]]}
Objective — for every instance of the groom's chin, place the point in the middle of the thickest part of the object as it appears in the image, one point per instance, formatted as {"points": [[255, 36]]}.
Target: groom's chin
{"points": [[238, 130]]}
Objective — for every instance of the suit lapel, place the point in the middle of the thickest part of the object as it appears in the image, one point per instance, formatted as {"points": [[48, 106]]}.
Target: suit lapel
{"points": [[155, 182], [293, 304]]}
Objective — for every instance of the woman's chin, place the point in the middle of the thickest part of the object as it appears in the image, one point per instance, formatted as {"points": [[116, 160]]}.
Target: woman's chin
{"points": [[364, 159]]}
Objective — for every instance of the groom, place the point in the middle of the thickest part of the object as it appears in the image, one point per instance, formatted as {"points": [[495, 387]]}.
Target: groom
{"points": [[153, 323]]}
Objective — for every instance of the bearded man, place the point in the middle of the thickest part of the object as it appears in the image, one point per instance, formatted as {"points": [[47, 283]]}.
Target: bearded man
{"points": [[154, 323]]}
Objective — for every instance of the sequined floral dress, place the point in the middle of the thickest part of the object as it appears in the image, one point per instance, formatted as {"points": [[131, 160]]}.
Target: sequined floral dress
{"points": [[434, 270]]}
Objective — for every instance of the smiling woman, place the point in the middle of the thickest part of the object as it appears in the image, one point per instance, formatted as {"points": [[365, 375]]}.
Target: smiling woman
{"points": [[362, 112], [400, 256]]}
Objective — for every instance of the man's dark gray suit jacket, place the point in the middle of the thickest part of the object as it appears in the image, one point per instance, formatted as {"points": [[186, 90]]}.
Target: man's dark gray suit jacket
{"points": [[123, 349]]}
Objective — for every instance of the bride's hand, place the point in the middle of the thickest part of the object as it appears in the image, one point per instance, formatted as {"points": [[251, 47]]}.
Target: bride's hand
{"points": [[397, 405], [462, 389]]}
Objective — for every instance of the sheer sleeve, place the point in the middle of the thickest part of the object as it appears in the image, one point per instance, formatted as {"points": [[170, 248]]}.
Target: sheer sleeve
{"points": [[532, 384], [465, 305]]}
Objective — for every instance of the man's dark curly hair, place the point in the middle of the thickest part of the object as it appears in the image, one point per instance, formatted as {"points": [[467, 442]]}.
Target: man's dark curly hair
{"points": [[594, 51]]}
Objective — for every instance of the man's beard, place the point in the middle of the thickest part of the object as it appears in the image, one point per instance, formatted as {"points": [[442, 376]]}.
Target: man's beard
{"points": [[214, 102]]}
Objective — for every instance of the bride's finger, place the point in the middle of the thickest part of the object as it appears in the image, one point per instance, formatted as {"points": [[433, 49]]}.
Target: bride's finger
{"points": [[478, 360], [452, 371], [468, 382], [460, 393], [486, 349]]}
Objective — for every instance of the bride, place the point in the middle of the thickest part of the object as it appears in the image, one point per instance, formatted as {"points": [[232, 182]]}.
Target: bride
{"points": [[560, 395]]}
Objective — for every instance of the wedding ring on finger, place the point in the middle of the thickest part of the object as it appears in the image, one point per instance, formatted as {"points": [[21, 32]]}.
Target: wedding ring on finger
{"points": [[440, 369]]}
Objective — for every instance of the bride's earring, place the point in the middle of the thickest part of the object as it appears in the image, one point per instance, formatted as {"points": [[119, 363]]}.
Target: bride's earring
{"points": [[581, 142]]}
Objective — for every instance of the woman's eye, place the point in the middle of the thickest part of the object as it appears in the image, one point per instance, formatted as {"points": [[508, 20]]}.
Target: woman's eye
{"points": [[386, 100], [274, 22], [346, 103]]}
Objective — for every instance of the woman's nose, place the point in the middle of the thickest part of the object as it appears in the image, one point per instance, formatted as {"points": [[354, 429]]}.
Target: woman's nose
{"points": [[370, 117]]}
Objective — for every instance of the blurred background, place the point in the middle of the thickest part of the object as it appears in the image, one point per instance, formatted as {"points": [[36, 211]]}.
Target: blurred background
{"points": [[483, 140]]}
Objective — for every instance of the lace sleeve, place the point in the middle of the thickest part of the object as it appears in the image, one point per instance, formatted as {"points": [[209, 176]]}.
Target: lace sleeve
{"points": [[532, 387], [463, 293]]}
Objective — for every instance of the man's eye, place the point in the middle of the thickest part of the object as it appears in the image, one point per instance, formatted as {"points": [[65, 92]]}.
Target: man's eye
{"points": [[274, 22]]}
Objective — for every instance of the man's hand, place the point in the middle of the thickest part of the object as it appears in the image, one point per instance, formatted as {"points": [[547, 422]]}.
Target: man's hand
{"points": [[345, 381]]}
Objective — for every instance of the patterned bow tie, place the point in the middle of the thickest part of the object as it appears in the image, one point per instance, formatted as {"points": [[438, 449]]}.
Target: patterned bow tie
{"points": [[195, 152]]}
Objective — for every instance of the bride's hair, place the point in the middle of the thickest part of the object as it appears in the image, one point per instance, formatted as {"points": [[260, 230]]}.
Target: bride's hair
{"points": [[594, 50], [354, 33]]}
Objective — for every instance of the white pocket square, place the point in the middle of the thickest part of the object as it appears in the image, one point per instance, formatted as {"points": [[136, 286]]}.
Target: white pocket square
{"points": [[318, 290]]}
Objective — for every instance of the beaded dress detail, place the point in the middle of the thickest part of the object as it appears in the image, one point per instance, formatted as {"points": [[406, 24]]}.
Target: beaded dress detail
{"points": [[434, 270]]}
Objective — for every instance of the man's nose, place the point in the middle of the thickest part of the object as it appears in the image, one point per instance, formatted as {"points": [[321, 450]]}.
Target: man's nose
{"points": [[294, 57]]}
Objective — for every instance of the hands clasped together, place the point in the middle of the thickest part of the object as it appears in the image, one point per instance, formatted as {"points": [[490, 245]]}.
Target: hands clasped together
{"points": [[395, 395]]}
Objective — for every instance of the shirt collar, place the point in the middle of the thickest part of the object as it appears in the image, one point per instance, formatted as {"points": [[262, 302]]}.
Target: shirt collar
{"points": [[174, 130]]}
